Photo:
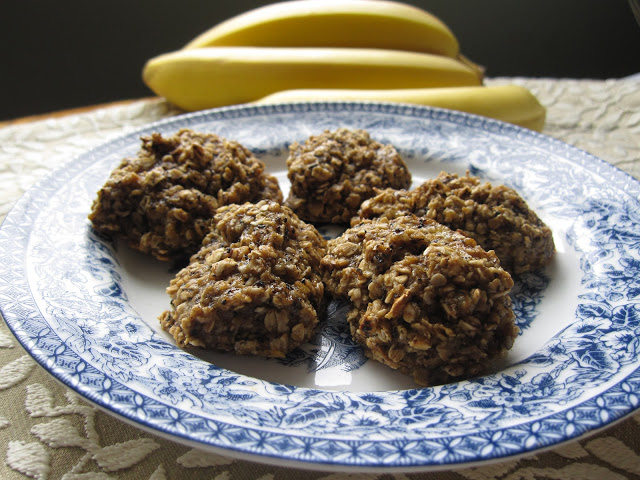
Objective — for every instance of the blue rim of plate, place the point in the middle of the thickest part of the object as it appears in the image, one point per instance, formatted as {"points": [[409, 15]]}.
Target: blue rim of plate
{"points": [[485, 419]]}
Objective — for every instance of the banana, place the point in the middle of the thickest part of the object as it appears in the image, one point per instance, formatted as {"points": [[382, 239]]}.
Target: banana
{"points": [[196, 79], [334, 23], [509, 103]]}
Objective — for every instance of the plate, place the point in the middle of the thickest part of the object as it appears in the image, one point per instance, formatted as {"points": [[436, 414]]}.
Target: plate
{"points": [[87, 310]]}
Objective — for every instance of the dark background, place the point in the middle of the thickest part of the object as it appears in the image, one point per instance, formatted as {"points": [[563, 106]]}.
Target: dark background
{"points": [[71, 53]]}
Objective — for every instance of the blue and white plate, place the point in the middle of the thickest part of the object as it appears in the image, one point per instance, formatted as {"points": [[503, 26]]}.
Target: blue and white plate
{"points": [[87, 310]]}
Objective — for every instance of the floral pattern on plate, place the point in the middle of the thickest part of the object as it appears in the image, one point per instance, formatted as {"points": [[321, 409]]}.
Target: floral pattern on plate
{"points": [[78, 307]]}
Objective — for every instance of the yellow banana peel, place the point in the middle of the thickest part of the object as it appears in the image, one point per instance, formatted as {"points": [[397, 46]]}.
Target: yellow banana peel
{"points": [[196, 79], [509, 103], [334, 23]]}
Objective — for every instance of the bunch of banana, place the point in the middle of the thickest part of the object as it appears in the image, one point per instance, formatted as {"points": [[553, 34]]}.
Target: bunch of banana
{"points": [[333, 49]]}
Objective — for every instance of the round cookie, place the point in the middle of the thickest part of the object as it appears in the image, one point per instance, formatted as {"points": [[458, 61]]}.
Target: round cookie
{"points": [[332, 173], [254, 287], [161, 201], [497, 217], [425, 300]]}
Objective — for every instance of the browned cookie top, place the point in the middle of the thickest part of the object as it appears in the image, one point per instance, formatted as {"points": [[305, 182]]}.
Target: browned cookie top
{"points": [[425, 300], [497, 217], [332, 173], [254, 287], [162, 200]]}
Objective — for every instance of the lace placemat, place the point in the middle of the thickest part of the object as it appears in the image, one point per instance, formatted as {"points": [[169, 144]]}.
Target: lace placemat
{"points": [[48, 432]]}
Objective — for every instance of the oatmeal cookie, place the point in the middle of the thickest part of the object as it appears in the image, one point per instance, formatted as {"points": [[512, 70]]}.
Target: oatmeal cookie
{"points": [[424, 299], [497, 217], [254, 287], [332, 173], [161, 201]]}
